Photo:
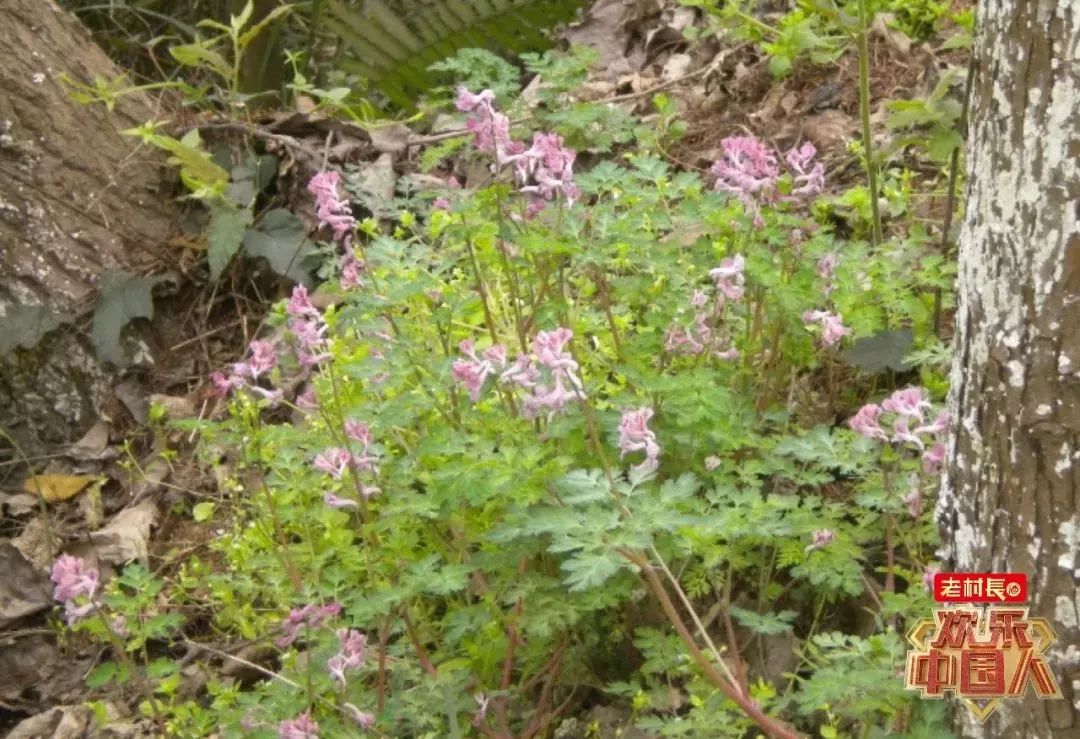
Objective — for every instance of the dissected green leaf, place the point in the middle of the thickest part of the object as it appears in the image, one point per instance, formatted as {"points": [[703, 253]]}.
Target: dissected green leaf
{"points": [[227, 227], [122, 298], [280, 239]]}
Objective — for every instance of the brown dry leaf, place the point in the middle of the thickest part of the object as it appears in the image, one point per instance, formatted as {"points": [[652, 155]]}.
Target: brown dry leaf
{"points": [[881, 28], [124, 539], [23, 588], [390, 139], [829, 129], [57, 488], [61, 722]]}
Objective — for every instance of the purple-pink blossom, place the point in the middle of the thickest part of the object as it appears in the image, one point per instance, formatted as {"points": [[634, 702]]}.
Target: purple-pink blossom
{"points": [[335, 501], [310, 616], [865, 422], [933, 458], [821, 539], [350, 654], [301, 727], [74, 581], [635, 435], [910, 401], [363, 719], [548, 165], [562, 385], [913, 499], [809, 180], [474, 371], [333, 461], [747, 168], [826, 268], [832, 326], [331, 210], [490, 128], [728, 277]]}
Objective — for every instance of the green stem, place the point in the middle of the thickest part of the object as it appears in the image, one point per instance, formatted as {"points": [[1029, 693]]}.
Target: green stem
{"points": [[864, 114]]}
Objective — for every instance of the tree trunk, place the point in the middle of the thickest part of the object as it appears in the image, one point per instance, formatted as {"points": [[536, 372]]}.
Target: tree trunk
{"points": [[76, 198], [1009, 500]]}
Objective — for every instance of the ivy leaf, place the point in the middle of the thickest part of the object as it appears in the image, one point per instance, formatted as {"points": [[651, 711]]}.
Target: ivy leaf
{"points": [[885, 350], [227, 227], [24, 325], [281, 240], [123, 298]]}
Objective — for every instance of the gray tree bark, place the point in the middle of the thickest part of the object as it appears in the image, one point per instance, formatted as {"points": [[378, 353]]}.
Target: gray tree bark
{"points": [[1009, 499], [77, 197]]}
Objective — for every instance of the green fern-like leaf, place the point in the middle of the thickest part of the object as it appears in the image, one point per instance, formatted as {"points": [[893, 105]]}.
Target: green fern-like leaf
{"points": [[393, 42]]}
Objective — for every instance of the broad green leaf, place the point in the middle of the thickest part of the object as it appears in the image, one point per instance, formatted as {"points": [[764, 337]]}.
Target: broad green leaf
{"points": [[228, 225], [203, 511], [23, 325], [589, 569], [123, 298], [281, 240]]}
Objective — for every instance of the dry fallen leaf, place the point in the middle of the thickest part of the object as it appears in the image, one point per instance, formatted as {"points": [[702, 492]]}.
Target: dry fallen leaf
{"points": [[56, 488]]}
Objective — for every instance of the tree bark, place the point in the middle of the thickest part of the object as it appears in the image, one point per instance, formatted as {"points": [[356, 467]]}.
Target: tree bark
{"points": [[1009, 499], [77, 197]]}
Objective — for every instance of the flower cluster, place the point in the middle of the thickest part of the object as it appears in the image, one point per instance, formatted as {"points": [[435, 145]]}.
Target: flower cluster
{"points": [[331, 210], [350, 655], [310, 616], [821, 539], [832, 326], [750, 171], [549, 373], [262, 357], [301, 727], [635, 435], [544, 170], [490, 128], [308, 328], [336, 460], [549, 166], [826, 268], [76, 585], [697, 337], [909, 407]]}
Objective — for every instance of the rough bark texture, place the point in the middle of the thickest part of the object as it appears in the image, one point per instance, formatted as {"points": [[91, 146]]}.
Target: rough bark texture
{"points": [[1009, 501], [76, 198]]}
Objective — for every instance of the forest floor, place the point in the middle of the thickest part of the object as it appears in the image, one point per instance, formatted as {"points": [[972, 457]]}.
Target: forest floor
{"points": [[126, 489]]}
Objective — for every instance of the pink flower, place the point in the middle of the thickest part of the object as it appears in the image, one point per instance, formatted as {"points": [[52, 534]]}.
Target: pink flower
{"points": [[832, 327], [351, 269], [307, 400], [939, 426], [332, 211], [822, 538], [635, 435], [336, 502], [311, 616], [300, 305], [333, 462], [441, 203], [806, 182], [359, 432], [729, 278], [908, 402], [865, 422], [263, 358], [826, 266], [549, 165], [363, 719], [913, 499], [933, 458], [473, 372], [73, 578], [301, 727], [468, 102], [225, 384], [747, 169], [901, 433], [350, 655]]}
